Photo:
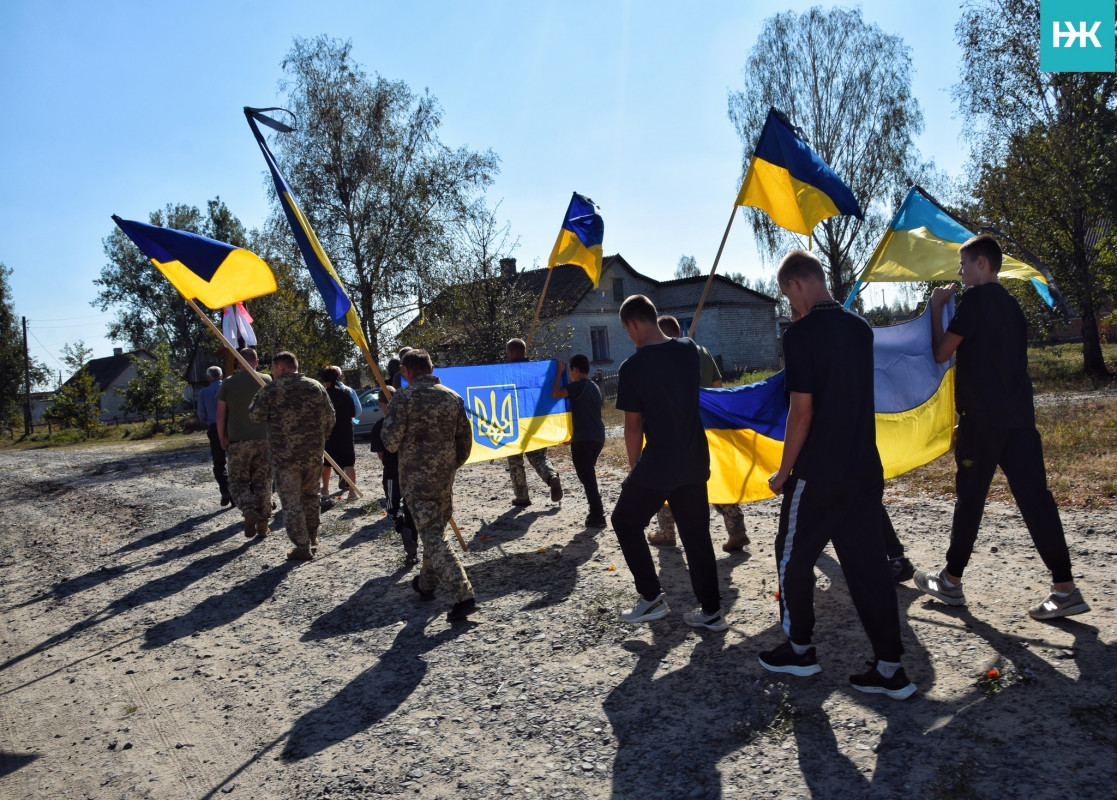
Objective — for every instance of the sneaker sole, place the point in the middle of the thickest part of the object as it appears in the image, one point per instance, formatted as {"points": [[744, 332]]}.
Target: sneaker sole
{"points": [[647, 617], [1059, 613], [895, 694], [717, 627], [791, 669]]}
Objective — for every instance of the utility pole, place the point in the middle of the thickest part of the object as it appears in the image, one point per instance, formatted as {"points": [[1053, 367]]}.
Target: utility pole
{"points": [[26, 383]]}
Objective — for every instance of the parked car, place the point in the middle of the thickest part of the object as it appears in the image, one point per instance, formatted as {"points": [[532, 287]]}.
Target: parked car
{"points": [[370, 412]]}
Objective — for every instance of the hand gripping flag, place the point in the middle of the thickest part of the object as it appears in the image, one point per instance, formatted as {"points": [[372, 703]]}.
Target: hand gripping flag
{"points": [[216, 273], [922, 243], [338, 305], [579, 240], [790, 183], [236, 323]]}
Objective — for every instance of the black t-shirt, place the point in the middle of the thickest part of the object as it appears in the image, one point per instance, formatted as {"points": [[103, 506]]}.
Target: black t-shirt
{"points": [[661, 382], [992, 378], [391, 460], [585, 411], [829, 355], [343, 416]]}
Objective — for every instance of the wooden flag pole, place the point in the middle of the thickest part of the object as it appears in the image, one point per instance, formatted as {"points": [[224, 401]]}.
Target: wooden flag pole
{"points": [[539, 307], [248, 368], [710, 280], [384, 390]]}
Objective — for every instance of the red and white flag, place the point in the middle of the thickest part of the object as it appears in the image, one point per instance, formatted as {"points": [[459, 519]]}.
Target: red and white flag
{"points": [[236, 324]]}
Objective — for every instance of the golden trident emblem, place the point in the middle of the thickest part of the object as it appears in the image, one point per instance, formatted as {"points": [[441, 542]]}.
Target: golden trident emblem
{"points": [[494, 428]]}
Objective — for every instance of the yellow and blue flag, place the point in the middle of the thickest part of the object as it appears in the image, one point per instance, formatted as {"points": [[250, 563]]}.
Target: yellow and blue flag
{"points": [[789, 182], [510, 407], [922, 242], [913, 399], [579, 240], [338, 305], [216, 273]]}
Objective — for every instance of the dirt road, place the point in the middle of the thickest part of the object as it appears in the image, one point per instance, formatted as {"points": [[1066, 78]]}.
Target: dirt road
{"points": [[150, 650]]}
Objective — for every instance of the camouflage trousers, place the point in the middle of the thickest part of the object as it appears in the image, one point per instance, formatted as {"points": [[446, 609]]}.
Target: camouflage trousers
{"points": [[250, 478], [544, 468], [297, 484], [440, 564], [731, 513]]}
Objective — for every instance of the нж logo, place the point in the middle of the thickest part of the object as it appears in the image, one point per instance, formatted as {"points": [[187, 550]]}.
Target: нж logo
{"points": [[1071, 34], [1076, 35], [495, 413]]}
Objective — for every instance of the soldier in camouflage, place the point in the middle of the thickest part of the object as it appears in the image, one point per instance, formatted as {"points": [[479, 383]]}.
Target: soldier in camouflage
{"points": [[247, 445], [427, 426], [298, 415], [516, 350]]}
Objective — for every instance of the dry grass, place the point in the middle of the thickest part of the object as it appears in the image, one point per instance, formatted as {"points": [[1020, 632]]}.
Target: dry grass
{"points": [[1058, 368]]}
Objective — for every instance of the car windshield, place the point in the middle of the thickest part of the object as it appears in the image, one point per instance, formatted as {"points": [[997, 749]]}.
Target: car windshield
{"points": [[369, 398]]}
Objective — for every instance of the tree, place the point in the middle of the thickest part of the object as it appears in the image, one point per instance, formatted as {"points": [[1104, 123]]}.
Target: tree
{"points": [[1044, 163], [149, 309], [847, 85], [13, 387], [688, 268], [378, 186], [156, 389], [77, 403]]}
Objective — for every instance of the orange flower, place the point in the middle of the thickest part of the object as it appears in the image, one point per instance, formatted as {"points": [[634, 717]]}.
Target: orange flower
{"points": [[611, 568], [991, 674], [541, 550], [776, 595]]}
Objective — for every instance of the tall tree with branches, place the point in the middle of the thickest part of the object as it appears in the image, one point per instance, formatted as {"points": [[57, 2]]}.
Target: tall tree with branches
{"points": [[847, 85], [372, 176]]}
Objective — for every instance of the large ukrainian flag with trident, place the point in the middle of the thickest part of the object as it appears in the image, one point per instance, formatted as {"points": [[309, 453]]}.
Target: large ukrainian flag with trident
{"points": [[913, 398], [510, 407], [338, 305]]}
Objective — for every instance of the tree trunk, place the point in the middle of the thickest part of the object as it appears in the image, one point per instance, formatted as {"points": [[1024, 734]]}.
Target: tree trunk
{"points": [[1093, 362]]}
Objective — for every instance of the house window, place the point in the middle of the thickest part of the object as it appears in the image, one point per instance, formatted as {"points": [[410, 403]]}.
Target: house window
{"points": [[684, 324], [618, 290], [599, 344]]}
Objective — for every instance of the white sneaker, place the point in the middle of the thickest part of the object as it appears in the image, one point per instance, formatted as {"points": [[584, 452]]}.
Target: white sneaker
{"points": [[700, 619], [647, 610]]}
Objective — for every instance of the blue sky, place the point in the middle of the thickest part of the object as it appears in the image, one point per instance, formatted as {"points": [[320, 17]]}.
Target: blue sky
{"points": [[123, 107]]}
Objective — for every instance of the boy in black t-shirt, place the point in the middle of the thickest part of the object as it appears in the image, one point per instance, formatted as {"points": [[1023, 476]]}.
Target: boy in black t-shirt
{"points": [[997, 427], [588, 434], [673, 465], [396, 508], [832, 483]]}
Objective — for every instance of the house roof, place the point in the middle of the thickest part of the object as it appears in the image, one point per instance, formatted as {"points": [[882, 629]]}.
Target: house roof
{"points": [[108, 369]]}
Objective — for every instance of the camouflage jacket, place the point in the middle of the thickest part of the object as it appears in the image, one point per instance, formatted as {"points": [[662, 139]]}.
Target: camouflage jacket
{"points": [[298, 415], [427, 425]]}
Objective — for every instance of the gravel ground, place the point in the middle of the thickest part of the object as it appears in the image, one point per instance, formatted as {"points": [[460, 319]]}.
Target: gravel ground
{"points": [[150, 650]]}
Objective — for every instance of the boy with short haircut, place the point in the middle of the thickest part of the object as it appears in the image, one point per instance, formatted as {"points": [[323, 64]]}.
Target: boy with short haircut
{"points": [[588, 434], [674, 465], [997, 427], [832, 482], [395, 509]]}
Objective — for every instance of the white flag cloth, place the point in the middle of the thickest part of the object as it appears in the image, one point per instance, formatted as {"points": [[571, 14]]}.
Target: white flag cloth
{"points": [[236, 323]]}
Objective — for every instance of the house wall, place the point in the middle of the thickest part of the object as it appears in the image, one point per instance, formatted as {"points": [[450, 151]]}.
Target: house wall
{"points": [[112, 399], [600, 309]]}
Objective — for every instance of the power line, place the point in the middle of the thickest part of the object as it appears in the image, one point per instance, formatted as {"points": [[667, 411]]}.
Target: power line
{"points": [[67, 319], [48, 352]]}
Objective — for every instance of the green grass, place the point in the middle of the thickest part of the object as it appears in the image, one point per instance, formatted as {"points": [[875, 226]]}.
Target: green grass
{"points": [[165, 432], [1058, 368]]}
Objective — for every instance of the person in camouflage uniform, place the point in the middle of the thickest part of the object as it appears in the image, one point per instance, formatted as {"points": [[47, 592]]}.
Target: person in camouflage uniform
{"points": [[516, 350], [730, 512], [298, 415], [247, 445], [427, 426]]}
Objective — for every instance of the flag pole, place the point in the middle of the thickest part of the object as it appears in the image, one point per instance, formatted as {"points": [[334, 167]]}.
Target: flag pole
{"points": [[248, 368], [710, 280], [539, 307]]}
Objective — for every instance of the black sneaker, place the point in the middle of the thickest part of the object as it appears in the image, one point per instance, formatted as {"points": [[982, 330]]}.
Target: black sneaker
{"points": [[902, 569], [424, 594], [596, 521], [785, 659], [898, 687], [461, 610]]}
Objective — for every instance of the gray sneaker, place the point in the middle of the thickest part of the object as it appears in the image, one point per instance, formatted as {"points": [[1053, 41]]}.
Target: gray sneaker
{"points": [[932, 583], [647, 610], [1054, 606], [700, 619]]}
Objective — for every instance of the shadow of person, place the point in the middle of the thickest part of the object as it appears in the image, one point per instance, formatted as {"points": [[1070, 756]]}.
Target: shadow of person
{"points": [[10, 762], [368, 533], [507, 527], [218, 609], [368, 608], [372, 695]]}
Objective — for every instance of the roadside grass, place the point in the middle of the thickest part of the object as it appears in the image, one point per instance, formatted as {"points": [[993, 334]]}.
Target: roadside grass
{"points": [[165, 434], [1057, 368]]}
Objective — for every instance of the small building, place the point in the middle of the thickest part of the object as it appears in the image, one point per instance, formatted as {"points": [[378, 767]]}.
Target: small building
{"points": [[111, 375]]}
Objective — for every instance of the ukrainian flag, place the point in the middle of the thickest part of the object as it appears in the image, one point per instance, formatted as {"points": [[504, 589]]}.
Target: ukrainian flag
{"points": [[922, 242], [510, 407], [789, 182], [216, 273], [338, 305], [579, 239], [913, 399]]}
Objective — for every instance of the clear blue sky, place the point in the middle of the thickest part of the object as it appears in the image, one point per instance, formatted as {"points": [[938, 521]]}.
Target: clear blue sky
{"points": [[123, 107]]}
